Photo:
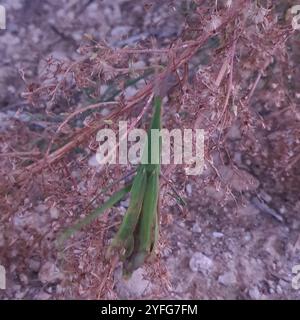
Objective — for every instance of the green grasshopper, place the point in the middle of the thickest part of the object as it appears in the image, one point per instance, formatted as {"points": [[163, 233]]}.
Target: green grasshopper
{"points": [[138, 233], [141, 223]]}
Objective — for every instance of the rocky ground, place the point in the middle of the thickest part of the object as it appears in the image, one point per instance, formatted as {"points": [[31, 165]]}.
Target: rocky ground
{"points": [[240, 244]]}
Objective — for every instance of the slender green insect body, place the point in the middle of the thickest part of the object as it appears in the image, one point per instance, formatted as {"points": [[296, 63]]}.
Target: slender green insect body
{"points": [[138, 232], [147, 229]]}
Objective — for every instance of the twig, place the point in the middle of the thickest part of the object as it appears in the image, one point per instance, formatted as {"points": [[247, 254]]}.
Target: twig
{"points": [[75, 113], [20, 154]]}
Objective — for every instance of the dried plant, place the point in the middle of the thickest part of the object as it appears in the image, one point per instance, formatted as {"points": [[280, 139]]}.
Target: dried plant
{"points": [[212, 73]]}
